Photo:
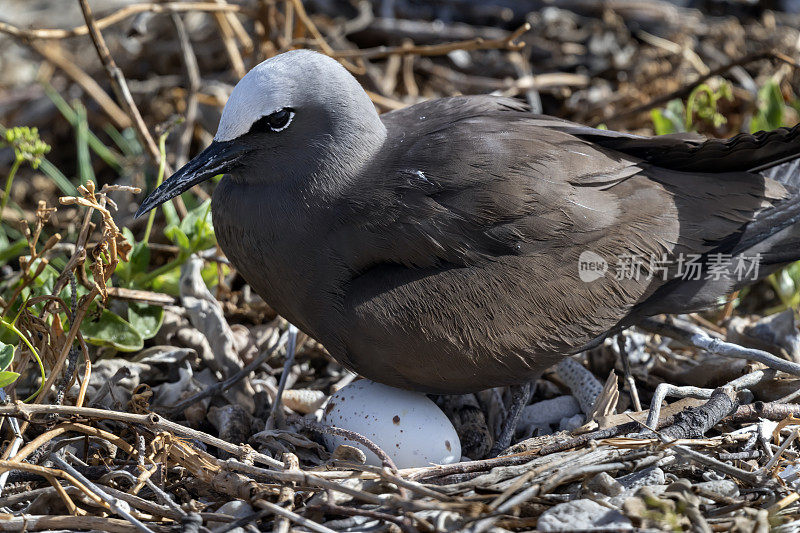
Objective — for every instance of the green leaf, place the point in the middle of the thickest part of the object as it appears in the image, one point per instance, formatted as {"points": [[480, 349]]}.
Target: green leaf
{"points": [[179, 237], [46, 281], [13, 250], [125, 140], [669, 119], [6, 355], [58, 177], [138, 262], [85, 169], [786, 283], [198, 227], [146, 319], [770, 108], [703, 100], [189, 222], [140, 257], [661, 124], [7, 378], [168, 283], [112, 330]]}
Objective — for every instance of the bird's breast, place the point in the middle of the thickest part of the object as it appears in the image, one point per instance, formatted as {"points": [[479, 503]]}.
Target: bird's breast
{"points": [[276, 251]]}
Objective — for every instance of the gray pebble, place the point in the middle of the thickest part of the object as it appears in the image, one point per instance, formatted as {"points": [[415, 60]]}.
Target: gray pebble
{"points": [[549, 411], [603, 483], [723, 487], [581, 514], [235, 508], [642, 478], [573, 422]]}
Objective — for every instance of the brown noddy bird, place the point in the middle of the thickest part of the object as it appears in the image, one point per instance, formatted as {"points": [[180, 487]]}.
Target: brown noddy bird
{"points": [[439, 247]]}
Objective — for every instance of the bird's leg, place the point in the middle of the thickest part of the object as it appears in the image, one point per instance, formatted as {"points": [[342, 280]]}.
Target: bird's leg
{"points": [[520, 394], [291, 345], [626, 369]]}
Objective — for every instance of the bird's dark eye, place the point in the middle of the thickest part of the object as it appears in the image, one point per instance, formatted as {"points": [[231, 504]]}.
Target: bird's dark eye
{"points": [[274, 122]]}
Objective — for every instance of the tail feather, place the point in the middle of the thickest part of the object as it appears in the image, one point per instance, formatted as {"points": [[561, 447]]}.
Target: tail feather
{"points": [[772, 153], [754, 152], [771, 240], [786, 171]]}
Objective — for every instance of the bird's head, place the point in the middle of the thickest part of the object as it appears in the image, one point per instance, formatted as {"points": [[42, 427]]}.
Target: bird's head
{"points": [[289, 117]]}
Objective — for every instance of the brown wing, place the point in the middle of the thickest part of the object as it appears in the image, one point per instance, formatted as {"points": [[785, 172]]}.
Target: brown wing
{"points": [[470, 257]]}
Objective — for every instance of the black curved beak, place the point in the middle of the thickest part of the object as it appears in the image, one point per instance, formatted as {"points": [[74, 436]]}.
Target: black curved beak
{"points": [[218, 158]]}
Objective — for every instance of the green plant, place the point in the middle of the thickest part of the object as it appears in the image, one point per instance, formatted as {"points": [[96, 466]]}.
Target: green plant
{"points": [[786, 284], [704, 100], [40, 277], [162, 165], [6, 357], [85, 170], [770, 108], [27, 147], [76, 116], [771, 112], [702, 103], [195, 233], [670, 119]]}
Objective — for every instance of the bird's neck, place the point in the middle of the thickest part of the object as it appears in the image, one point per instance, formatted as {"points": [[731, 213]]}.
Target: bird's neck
{"points": [[346, 153]]}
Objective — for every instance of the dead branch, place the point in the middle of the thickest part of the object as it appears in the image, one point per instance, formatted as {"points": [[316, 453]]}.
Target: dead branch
{"points": [[118, 16], [507, 43]]}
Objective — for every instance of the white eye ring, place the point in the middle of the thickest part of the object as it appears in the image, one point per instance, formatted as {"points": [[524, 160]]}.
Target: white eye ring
{"points": [[275, 122], [289, 121]]}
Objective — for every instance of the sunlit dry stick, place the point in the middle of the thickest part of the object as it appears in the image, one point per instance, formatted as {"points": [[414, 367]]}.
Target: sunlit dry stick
{"points": [[323, 44], [694, 336], [242, 35], [225, 22], [383, 101], [87, 371], [351, 435], [71, 507], [288, 23], [152, 421], [479, 43], [44, 472], [118, 506], [193, 83], [68, 523], [54, 53], [123, 94], [119, 16], [286, 496], [675, 48]]}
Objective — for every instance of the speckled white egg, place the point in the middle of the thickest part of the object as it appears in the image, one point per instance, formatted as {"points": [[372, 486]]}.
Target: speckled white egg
{"points": [[406, 425]]}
